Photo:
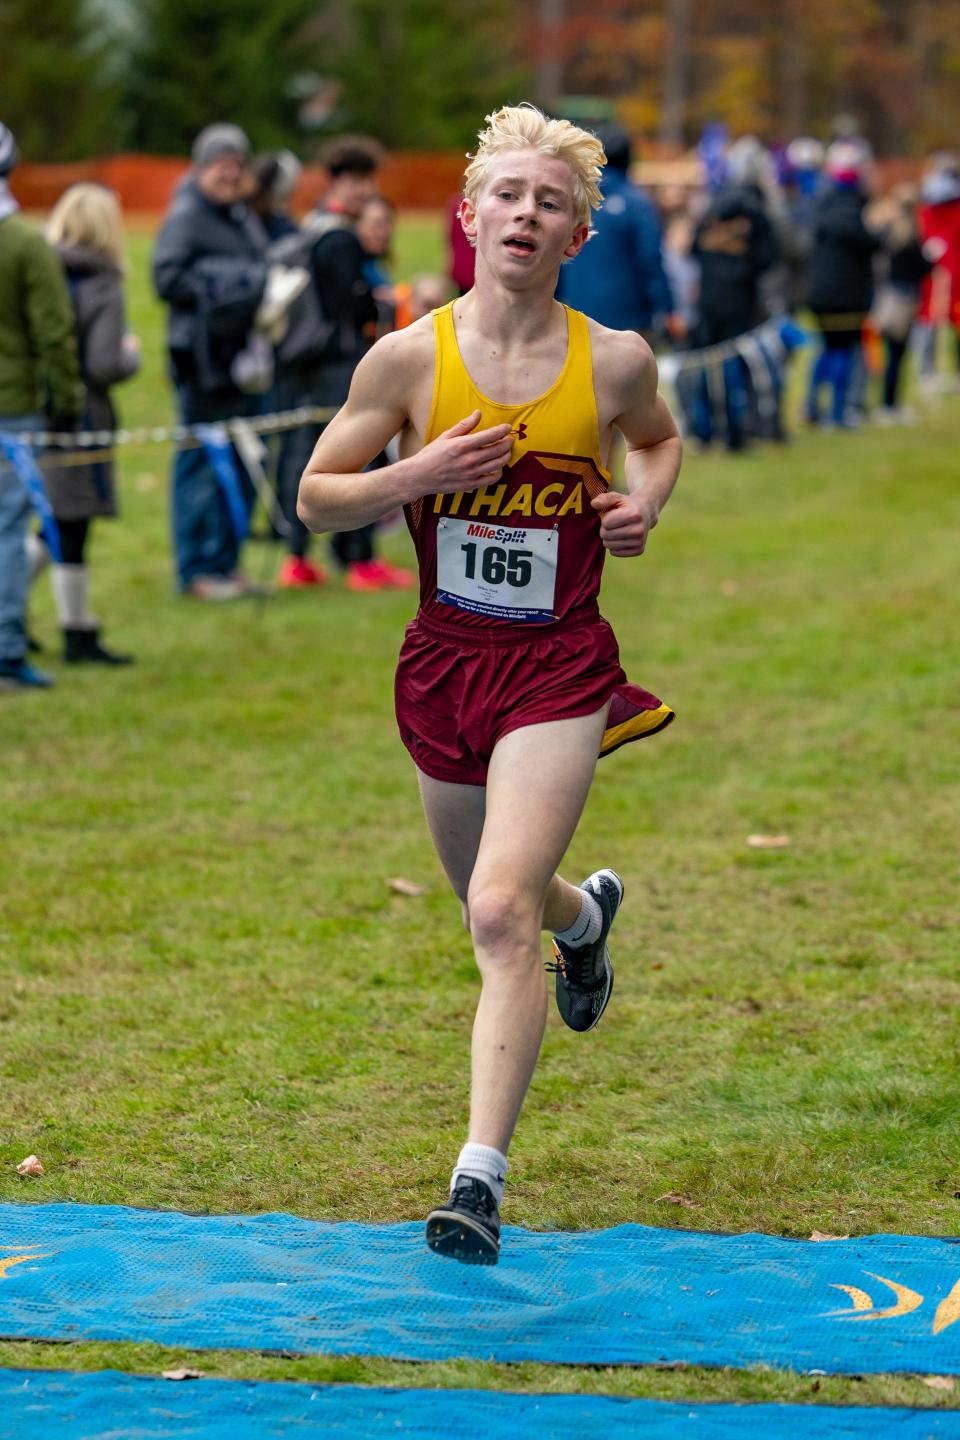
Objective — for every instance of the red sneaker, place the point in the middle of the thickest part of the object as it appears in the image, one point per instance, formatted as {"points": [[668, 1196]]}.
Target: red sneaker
{"points": [[395, 577], [366, 575], [297, 573]]}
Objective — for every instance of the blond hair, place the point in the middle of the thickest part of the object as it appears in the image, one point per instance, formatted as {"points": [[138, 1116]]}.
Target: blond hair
{"points": [[524, 127], [88, 215]]}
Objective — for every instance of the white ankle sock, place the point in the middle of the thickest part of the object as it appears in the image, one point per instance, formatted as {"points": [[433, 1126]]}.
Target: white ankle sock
{"points": [[482, 1162], [71, 594], [587, 926]]}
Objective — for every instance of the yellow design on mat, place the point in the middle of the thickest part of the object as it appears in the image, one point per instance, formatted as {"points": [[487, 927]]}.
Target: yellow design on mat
{"points": [[907, 1300], [948, 1310], [9, 1263], [861, 1300]]}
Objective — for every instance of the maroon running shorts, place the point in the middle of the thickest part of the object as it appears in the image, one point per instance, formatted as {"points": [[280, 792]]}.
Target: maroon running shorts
{"points": [[456, 697]]}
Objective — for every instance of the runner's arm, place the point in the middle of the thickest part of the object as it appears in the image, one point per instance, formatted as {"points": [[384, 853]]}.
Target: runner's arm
{"points": [[654, 452], [336, 493]]}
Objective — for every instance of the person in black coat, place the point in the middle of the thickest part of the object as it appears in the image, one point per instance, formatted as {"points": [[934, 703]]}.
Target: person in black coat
{"points": [[338, 271], [909, 260], [734, 244], [209, 266], [840, 277], [86, 230]]}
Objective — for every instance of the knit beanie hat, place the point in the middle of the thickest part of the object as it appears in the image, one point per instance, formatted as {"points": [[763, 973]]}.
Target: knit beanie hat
{"points": [[844, 162], [218, 140], [9, 154]]}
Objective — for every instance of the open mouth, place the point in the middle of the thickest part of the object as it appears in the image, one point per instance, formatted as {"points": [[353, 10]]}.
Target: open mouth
{"points": [[518, 245]]}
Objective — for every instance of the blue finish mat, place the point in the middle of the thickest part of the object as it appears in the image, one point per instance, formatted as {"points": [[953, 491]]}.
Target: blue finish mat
{"points": [[630, 1295], [108, 1406]]}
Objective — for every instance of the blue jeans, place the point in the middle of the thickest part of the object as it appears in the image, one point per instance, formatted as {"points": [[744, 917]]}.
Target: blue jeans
{"points": [[204, 537], [834, 367], [15, 513], [732, 377]]}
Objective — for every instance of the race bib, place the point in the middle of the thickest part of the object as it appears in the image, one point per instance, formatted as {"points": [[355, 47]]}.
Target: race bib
{"points": [[502, 572]]}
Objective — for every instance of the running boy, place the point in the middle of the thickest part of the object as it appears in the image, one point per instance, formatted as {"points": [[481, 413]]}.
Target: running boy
{"points": [[509, 680]]}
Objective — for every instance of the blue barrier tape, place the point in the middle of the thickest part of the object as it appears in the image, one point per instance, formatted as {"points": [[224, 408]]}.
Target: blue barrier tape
{"points": [[21, 456]]}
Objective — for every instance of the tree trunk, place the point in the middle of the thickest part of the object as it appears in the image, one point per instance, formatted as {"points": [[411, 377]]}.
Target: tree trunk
{"points": [[793, 72], [550, 17], [675, 73]]}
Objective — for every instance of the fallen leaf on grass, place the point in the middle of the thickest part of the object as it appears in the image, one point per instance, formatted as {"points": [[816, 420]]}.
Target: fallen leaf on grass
{"points": [[729, 587], [183, 1374], [938, 1382], [399, 886], [33, 1165], [768, 842], [675, 1198], [822, 1235]]}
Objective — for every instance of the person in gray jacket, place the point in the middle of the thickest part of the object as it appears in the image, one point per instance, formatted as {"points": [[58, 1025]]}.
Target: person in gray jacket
{"points": [[39, 386], [86, 230], [209, 266]]}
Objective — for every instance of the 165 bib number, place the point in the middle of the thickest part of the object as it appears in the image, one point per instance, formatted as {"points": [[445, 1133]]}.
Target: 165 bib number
{"points": [[500, 572]]}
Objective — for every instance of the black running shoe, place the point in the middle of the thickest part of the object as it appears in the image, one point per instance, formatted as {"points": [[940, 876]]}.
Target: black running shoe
{"points": [[467, 1228], [585, 974]]}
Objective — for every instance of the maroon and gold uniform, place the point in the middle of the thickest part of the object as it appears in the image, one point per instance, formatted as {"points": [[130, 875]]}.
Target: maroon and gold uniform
{"points": [[509, 632]]}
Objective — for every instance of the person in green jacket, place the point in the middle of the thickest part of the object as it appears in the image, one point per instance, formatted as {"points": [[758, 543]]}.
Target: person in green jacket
{"points": [[39, 388]]}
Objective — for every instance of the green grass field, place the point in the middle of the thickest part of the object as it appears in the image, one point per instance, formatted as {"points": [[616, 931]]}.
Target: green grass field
{"points": [[211, 999]]}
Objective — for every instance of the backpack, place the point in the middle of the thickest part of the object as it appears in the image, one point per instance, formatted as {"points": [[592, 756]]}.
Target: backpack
{"points": [[309, 331]]}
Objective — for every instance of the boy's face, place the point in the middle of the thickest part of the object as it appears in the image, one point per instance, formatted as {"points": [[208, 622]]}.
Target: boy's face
{"points": [[523, 220]]}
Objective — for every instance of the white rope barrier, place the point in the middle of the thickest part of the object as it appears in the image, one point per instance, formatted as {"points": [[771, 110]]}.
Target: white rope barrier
{"points": [[176, 434]]}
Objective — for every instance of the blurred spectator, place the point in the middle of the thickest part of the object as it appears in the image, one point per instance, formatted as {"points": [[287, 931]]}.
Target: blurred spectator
{"points": [[347, 301], [908, 261], [38, 370], [86, 229], [209, 266], [682, 270], [940, 220], [275, 177], [375, 225], [845, 129], [343, 298], [618, 278], [804, 162], [841, 278], [683, 274], [462, 254], [734, 244], [394, 311], [427, 293]]}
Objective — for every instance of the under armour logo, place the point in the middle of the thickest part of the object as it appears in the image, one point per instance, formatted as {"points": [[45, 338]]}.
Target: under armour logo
{"points": [[520, 431]]}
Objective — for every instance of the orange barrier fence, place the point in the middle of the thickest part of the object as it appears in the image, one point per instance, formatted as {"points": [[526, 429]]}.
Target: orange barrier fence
{"points": [[145, 183], [413, 181]]}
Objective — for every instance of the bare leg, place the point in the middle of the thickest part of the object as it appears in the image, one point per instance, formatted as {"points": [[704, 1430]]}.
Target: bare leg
{"points": [[537, 785], [455, 817]]}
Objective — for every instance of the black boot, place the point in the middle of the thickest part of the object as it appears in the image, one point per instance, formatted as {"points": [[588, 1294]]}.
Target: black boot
{"points": [[83, 647]]}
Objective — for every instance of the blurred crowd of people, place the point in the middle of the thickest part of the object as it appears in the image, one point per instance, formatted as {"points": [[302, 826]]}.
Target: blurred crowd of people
{"points": [[265, 314], [268, 313], [771, 235]]}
